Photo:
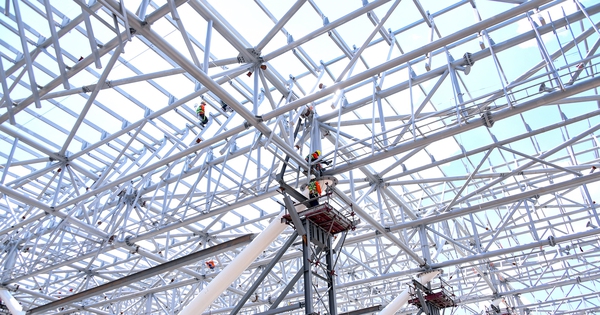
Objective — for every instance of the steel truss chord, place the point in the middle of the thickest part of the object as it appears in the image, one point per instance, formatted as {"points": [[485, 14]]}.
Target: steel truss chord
{"points": [[492, 181], [143, 274]]}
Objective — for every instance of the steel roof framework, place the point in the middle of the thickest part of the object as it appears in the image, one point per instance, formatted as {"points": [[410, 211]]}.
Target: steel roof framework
{"points": [[466, 144]]}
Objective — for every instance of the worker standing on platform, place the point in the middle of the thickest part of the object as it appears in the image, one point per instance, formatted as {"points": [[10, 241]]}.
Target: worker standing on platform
{"points": [[201, 112], [226, 108], [314, 192], [317, 166], [319, 170]]}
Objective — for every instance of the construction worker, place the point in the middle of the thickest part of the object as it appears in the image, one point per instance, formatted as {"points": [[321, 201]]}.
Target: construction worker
{"points": [[313, 156], [200, 111], [211, 264], [317, 166], [314, 192], [318, 169], [306, 112], [226, 108]]}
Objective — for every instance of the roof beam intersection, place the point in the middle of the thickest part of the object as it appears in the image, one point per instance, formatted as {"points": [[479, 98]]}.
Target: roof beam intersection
{"points": [[471, 124], [256, 121], [534, 174], [477, 56], [74, 70], [390, 64], [529, 164]]}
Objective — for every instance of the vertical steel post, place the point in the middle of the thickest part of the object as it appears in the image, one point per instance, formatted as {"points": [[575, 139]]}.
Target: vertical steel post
{"points": [[57, 49], [209, 27], [255, 92], [458, 99], [92, 39], [412, 105], [582, 8], [26, 55], [544, 52], [9, 160], [475, 233], [184, 34], [531, 222], [6, 93], [306, 259], [429, 53], [330, 276], [424, 244], [498, 68], [142, 9], [373, 102], [58, 184]]}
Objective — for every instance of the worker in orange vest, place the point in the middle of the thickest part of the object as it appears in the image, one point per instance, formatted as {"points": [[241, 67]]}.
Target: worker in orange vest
{"points": [[314, 192], [201, 112], [211, 264], [318, 169]]}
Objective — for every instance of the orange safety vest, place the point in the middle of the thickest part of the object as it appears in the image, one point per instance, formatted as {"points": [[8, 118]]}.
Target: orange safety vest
{"points": [[314, 187], [200, 110], [313, 156]]}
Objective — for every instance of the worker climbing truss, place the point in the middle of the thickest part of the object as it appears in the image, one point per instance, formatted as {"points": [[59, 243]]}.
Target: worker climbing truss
{"points": [[149, 147]]}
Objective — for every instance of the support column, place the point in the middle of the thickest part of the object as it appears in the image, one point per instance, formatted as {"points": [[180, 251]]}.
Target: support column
{"points": [[306, 257], [13, 306], [331, 277], [239, 264], [209, 27]]}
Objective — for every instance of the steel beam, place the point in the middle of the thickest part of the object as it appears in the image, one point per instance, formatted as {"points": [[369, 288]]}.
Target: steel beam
{"points": [[469, 125], [404, 58], [91, 99], [495, 203], [264, 273], [156, 270], [284, 19], [365, 216], [28, 59]]}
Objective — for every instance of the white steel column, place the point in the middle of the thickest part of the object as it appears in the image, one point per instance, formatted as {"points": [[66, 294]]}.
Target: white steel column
{"points": [[13, 306], [222, 281]]}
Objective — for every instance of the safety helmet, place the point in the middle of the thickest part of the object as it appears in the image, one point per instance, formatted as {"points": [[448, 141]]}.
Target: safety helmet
{"points": [[318, 152]]}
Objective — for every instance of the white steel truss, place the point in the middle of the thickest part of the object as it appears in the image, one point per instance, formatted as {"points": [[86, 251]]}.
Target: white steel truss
{"points": [[463, 134]]}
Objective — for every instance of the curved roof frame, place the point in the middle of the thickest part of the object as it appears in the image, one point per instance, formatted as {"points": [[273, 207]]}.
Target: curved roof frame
{"points": [[463, 134]]}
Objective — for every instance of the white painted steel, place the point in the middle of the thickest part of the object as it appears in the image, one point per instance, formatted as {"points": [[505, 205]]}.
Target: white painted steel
{"points": [[13, 306], [234, 269]]}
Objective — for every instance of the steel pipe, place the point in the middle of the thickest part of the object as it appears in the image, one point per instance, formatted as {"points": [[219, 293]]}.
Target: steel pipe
{"points": [[13, 306], [239, 264]]}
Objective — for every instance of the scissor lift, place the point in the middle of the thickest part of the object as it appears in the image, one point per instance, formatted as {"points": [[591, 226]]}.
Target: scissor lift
{"points": [[319, 225], [431, 301], [496, 310], [325, 217]]}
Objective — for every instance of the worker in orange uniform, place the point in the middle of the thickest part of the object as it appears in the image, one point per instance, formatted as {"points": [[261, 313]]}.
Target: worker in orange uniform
{"points": [[314, 192], [201, 112], [211, 264], [319, 170], [226, 108]]}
